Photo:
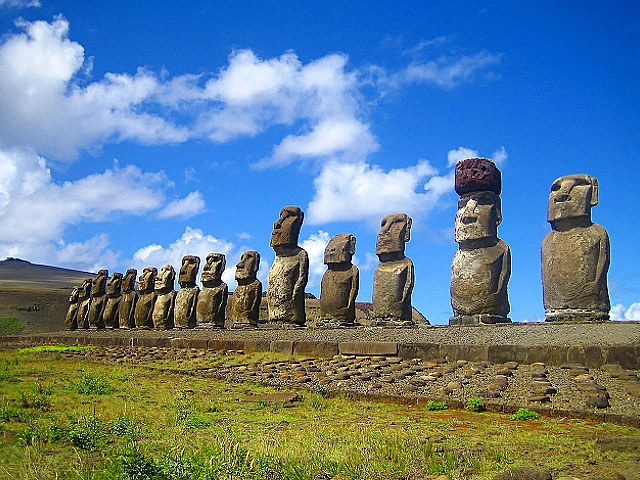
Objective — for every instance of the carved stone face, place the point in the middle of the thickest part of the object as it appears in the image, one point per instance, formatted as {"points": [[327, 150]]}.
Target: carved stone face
{"points": [[479, 215], [287, 228], [114, 285], [189, 271], [248, 266], [85, 289], [129, 280], [147, 279], [100, 283], [212, 271], [75, 293], [572, 196], [165, 278], [395, 231], [340, 249]]}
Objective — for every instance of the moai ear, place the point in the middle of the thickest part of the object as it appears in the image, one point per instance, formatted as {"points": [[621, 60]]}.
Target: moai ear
{"points": [[407, 235], [594, 191], [352, 245]]}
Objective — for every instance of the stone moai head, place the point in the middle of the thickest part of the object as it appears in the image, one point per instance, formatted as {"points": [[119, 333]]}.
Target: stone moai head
{"points": [[147, 280], [340, 249], [85, 289], [213, 269], [100, 283], [129, 280], [114, 285], [75, 294], [248, 266], [572, 196], [188, 271], [165, 279], [395, 232], [287, 228]]}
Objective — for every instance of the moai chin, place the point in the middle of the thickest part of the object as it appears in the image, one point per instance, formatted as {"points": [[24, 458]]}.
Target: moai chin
{"points": [[114, 295], [341, 281], [163, 308], [187, 296], [394, 278], [84, 302], [146, 298], [71, 319], [212, 300], [575, 254], [289, 273], [482, 264], [245, 301], [98, 299], [128, 300]]}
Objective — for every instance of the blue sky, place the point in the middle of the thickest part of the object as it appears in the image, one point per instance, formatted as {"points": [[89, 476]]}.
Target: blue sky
{"points": [[133, 133]]}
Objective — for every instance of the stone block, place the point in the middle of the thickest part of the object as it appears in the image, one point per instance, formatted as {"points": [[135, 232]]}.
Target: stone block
{"points": [[594, 357], [368, 348], [575, 355], [506, 353], [623, 355], [282, 346], [256, 346], [550, 355], [150, 342], [472, 353], [179, 342], [423, 351], [219, 345], [316, 349]]}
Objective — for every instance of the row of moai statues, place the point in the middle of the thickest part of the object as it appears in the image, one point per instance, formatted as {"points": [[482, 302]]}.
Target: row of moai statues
{"points": [[575, 261]]}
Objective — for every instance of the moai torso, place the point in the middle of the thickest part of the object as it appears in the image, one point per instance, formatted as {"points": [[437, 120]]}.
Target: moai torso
{"points": [[146, 298], [187, 296], [84, 302], [341, 281], [163, 308], [114, 293], [246, 299], [98, 299], [212, 300], [71, 319], [128, 300]]}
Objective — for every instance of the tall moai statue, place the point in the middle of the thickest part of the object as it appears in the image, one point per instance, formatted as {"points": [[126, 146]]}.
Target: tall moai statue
{"points": [[84, 302], [114, 294], [98, 299], [289, 273], [341, 281], [71, 319], [482, 264], [127, 306], [245, 301], [163, 308], [212, 300], [146, 298], [187, 296], [575, 254], [394, 278]]}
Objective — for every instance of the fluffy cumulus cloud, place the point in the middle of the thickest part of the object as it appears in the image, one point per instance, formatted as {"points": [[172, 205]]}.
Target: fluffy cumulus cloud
{"points": [[314, 246], [620, 312], [186, 207]]}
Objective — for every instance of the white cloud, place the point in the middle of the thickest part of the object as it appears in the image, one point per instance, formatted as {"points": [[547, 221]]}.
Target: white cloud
{"points": [[460, 153], [186, 207], [620, 312], [314, 246], [20, 3], [500, 156]]}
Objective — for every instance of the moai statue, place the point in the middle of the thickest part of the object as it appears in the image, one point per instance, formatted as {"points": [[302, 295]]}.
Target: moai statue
{"points": [[98, 299], [84, 302], [394, 278], [575, 254], [341, 281], [146, 298], [71, 320], [289, 273], [187, 296], [127, 306], [114, 294], [245, 301], [212, 300], [482, 264], [163, 308]]}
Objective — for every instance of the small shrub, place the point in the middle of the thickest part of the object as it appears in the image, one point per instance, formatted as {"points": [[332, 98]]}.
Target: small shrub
{"points": [[192, 421], [476, 404], [87, 433], [9, 413], [35, 401], [125, 426], [432, 405], [93, 384], [136, 466], [9, 325], [525, 414]]}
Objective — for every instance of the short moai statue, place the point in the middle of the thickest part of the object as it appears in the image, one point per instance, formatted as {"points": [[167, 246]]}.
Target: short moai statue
{"points": [[575, 254], [84, 302], [71, 319], [127, 306], [481, 266], [163, 308], [114, 294], [245, 301], [212, 300], [187, 296], [146, 298], [98, 299], [340, 283], [394, 278], [289, 273]]}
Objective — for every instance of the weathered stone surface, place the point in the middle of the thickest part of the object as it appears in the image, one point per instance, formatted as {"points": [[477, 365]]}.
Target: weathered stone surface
{"points": [[163, 308], [394, 279], [98, 299], [368, 348], [245, 301], [84, 302], [128, 300], [482, 265], [316, 349], [187, 297], [71, 319], [289, 273], [146, 298], [212, 300], [624, 355], [341, 281], [575, 254], [524, 473], [282, 346], [114, 294]]}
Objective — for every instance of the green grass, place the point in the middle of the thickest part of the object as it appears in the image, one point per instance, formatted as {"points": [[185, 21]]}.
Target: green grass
{"points": [[433, 405], [133, 422], [55, 348], [525, 414], [9, 325]]}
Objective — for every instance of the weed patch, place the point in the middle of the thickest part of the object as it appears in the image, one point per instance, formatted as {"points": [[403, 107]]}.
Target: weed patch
{"points": [[433, 405], [525, 414], [9, 325], [93, 384]]}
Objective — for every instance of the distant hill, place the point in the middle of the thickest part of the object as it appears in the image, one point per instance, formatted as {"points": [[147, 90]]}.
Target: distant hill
{"points": [[16, 273]]}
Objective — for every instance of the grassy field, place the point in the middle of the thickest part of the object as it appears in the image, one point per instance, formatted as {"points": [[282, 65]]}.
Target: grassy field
{"points": [[62, 418]]}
